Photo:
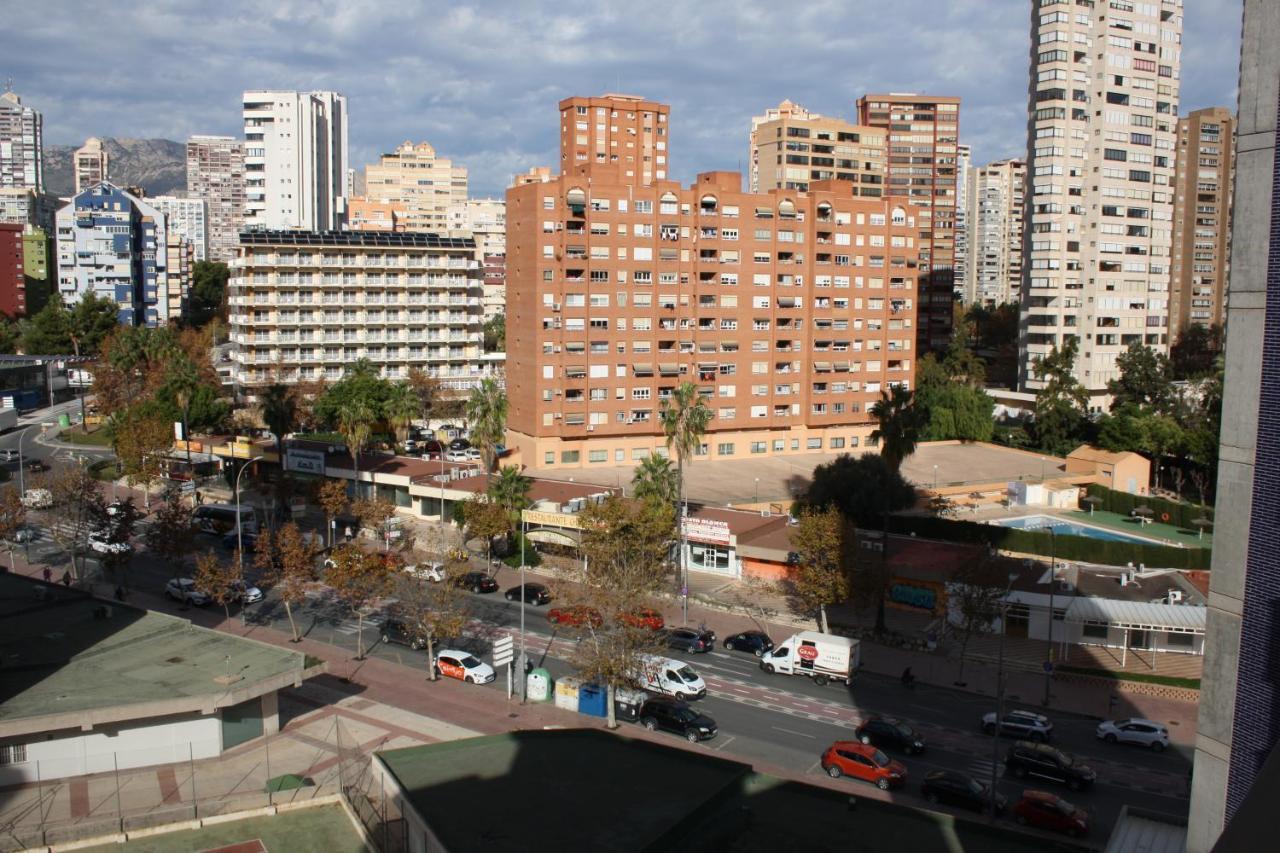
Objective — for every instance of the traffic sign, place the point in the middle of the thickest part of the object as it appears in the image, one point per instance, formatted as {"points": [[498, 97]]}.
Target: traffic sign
{"points": [[503, 650]]}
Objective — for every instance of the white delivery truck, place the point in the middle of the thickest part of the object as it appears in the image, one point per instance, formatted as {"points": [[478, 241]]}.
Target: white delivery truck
{"points": [[672, 677], [8, 419], [823, 657]]}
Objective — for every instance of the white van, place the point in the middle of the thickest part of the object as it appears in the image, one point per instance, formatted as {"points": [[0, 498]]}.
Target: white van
{"points": [[221, 518], [822, 657], [670, 676]]}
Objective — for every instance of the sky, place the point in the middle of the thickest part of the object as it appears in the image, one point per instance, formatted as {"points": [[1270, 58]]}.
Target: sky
{"points": [[480, 81]]}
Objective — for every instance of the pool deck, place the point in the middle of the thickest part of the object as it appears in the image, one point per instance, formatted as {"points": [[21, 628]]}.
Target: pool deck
{"points": [[1156, 533]]}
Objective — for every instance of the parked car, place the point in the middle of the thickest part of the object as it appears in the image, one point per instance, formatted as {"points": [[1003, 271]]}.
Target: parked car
{"points": [[674, 716], [1024, 724], [756, 642], [99, 542], [457, 456], [690, 640], [37, 466], [434, 572], [850, 758], [463, 666], [575, 616], [431, 449], [8, 455], [397, 631], [952, 788], [473, 454], [24, 534], [1049, 811], [1044, 762], [642, 618], [1146, 733], [533, 593], [184, 589], [459, 444], [886, 731], [245, 593], [37, 498], [476, 582]]}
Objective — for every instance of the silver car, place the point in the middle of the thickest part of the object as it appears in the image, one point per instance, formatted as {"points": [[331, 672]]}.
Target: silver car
{"points": [[1146, 733], [1021, 724]]}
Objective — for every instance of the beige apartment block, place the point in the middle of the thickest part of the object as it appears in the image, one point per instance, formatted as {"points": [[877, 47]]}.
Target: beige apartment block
{"points": [[1100, 158], [922, 164], [535, 175], [366, 215], [791, 147], [215, 173], [91, 163], [1202, 219], [305, 306], [180, 259], [419, 184], [994, 224]]}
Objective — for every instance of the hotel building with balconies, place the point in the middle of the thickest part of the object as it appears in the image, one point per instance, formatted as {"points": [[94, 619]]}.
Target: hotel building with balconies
{"points": [[305, 306], [791, 311]]}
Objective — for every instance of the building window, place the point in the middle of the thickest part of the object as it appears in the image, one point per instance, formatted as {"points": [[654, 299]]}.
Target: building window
{"points": [[759, 447], [598, 456], [570, 457], [13, 753], [709, 557], [549, 458], [1185, 641], [1094, 632], [724, 448]]}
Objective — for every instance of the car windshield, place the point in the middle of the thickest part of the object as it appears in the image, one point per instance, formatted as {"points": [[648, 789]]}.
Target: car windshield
{"points": [[687, 674], [880, 758], [905, 731], [470, 663], [685, 715]]}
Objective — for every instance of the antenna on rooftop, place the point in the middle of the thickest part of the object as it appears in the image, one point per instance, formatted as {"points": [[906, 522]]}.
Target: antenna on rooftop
{"points": [[8, 84]]}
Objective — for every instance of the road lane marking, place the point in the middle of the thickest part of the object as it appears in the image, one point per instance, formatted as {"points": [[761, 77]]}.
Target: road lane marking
{"points": [[792, 732], [730, 739]]}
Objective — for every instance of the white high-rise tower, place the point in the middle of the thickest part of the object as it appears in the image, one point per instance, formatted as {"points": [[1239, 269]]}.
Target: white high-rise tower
{"points": [[295, 160]]}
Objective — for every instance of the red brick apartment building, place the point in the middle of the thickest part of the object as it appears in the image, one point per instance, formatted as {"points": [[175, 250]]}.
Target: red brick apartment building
{"points": [[13, 282], [790, 310]]}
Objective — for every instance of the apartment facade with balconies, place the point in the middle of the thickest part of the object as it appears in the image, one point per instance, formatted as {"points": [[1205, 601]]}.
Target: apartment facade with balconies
{"points": [[1202, 219], [791, 147], [305, 306], [295, 159]]}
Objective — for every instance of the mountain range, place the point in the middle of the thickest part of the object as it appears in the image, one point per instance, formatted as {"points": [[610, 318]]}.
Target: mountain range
{"points": [[159, 166]]}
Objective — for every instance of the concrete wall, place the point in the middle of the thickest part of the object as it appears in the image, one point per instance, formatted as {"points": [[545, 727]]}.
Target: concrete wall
{"points": [[1229, 747]]}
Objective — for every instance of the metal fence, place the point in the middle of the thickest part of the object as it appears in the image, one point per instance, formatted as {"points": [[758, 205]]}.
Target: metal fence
{"points": [[366, 796]]}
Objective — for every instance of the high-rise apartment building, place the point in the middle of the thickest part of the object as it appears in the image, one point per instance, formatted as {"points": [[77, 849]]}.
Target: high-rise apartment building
{"points": [[1238, 730], [622, 135], [790, 311], [418, 184], [21, 144], [366, 215], [114, 245], [13, 282], [37, 262], [28, 207], [1101, 146], [484, 220], [180, 259], [306, 306], [1202, 219], [92, 164], [964, 168], [186, 217], [923, 139], [216, 173], [791, 147], [994, 273], [295, 160]]}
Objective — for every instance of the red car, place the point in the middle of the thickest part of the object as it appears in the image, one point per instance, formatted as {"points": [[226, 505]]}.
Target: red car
{"points": [[575, 616], [645, 618], [1049, 811], [861, 761]]}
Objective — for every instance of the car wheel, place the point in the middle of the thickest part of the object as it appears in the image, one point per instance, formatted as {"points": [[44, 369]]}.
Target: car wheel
{"points": [[510, 597], [1157, 746], [728, 645], [820, 680], [468, 680], [1110, 738], [475, 589], [650, 723], [1037, 737], [882, 783], [385, 638], [834, 772], [681, 697], [691, 736], [932, 797], [769, 668], [865, 739]]}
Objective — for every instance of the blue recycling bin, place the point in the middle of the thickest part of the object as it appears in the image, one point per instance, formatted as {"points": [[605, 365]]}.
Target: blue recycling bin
{"points": [[591, 700]]}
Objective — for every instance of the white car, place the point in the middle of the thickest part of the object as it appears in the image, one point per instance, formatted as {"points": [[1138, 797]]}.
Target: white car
{"points": [[246, 593], [100, 544], [37, 498], [1022, 724], [427, 571], [473, 454], [1146, 733], [457, 456], [184, 589], [463, 666]]}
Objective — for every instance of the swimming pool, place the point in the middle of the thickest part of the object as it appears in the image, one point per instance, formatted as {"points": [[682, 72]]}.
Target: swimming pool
{"points": [[1063, 527]]}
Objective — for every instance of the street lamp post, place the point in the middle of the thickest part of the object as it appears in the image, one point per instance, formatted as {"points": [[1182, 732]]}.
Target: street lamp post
{"points": [[1053, 576], [935, 478], [757, 492], [239, 526], [1042, 469], [995, 732], [524, 678]]}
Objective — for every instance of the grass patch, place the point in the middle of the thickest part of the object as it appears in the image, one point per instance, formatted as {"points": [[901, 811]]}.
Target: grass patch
{"points": [[1144, 677], [77, 435], [105, 470]]}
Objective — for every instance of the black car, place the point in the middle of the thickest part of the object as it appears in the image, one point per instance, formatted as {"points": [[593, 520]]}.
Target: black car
{"points": [[756, 642], [476, 582], [888, 732], [35, 466], [1045, 762], [459, 444], [675, 716], [396, 631], [690, 640], [533, 593], [958, 789]]}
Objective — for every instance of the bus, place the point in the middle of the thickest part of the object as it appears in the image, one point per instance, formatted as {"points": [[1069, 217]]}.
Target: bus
{"points": [[221, 518]]}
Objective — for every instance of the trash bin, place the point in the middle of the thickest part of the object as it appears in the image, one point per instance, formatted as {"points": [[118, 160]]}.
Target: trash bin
{"points": [[538, 685], [567, 693], [64, 420], [627, 702], [592, 701]]}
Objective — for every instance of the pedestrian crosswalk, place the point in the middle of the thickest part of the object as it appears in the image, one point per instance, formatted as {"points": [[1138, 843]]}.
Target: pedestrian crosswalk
{"points": [[351, 627]]}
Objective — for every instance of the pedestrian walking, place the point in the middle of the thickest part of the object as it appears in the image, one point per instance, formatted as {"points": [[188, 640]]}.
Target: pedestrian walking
{"points": [[66, 578], [48, 574], [347, 532]]}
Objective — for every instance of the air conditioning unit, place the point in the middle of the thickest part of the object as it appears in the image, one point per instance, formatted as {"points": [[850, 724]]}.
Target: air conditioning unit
{"points": [[555, 306], [1175, 596], [591, 427]]}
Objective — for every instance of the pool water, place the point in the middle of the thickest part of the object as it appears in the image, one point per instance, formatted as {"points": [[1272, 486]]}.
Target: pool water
{"points": [[1067, 528]]}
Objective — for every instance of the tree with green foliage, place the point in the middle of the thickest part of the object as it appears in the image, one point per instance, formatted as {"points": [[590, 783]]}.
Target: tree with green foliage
{"points": [[495, 333], [1122, 429], [900, 422], [399, 408], [820, 576], [510, 490], [355, 422], [10, 335], [278, 407], [487, 419], [952, 409], [49, 331], [360, 386], [93, 319], [1144, 379], [207, 300], [1062, 403], [1195, 353], [655, 480], [863, 488]]}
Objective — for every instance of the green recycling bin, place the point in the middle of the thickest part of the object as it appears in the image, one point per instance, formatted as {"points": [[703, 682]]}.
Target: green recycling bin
{"points": [[64, 420]]}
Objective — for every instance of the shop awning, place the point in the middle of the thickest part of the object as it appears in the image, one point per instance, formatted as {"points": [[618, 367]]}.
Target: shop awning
{"points": [[669, 369], [642, 368], [555, 536], [1139, 615]]}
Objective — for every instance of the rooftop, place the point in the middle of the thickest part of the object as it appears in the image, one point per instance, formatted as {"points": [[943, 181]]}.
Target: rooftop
{"points": [[366, 239], [74, 660]]}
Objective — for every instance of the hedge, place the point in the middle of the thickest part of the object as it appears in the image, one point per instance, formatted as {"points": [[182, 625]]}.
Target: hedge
{"points": [[1123, 503], [1123, 675], [1103, 551]]}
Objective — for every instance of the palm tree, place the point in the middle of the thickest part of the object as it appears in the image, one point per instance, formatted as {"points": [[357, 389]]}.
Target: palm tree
{"points": [[279, 412], [656, 480], [487, 417], [510, 490], [355, 422], [900, 423], [399, 409], [685, 417]]}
